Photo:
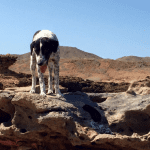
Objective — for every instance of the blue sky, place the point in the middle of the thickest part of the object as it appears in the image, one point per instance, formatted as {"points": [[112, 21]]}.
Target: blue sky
{"points": [[107, 28]]}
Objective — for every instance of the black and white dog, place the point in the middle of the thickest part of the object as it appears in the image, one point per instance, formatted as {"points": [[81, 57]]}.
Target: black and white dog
{"points": [[45, 52]]}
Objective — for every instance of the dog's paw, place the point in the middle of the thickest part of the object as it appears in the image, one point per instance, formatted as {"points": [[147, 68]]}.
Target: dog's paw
{"points": [[32, 91], [43, 94], [50, 92], [59, 95]]}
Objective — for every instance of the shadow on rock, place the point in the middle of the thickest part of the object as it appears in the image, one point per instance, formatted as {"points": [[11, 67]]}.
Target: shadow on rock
{"points": [[89, 110]]}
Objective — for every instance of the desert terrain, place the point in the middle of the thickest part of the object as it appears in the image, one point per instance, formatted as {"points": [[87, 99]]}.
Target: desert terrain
{"points": [[105, 104], [84, 70], [77, 63]]}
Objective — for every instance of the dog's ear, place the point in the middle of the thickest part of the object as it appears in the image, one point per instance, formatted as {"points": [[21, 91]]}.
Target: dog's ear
{"points": [[54, 44], [32, 46]]}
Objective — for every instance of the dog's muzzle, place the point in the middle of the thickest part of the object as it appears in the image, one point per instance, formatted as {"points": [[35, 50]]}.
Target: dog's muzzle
{"points": [[41, 62], [43, 65]]}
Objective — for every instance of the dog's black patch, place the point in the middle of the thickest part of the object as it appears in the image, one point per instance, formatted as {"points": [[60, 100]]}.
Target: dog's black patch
{"points": [[36, 46], [32, 46], [48, 46]]}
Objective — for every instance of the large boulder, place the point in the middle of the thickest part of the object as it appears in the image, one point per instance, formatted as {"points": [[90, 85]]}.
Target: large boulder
{"points": [[50, 122]]}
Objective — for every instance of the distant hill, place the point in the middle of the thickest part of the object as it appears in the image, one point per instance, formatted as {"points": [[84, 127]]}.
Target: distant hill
{"points": [[134, 59], [73, 52], [65, 52]]}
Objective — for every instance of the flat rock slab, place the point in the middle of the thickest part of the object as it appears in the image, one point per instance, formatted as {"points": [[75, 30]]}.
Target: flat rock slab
{"points": [[27, 89]]}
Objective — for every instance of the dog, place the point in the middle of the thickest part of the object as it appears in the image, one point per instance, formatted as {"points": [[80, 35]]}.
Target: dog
{"points": [[45, 53]]}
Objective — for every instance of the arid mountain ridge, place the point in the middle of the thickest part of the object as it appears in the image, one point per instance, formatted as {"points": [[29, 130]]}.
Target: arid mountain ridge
{"points": [[74, 53], [134, 58], [67, 52], [77, 63]]}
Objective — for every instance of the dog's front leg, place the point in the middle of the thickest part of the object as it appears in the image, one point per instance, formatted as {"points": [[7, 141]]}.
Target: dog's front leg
{"points": [[56, 80], [41, 82], [50, 79], [32, 68]]}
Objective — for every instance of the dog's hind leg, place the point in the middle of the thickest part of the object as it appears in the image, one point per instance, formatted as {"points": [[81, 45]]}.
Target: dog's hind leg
{"points": [[50, 79], [56, 79], [32, 68]]}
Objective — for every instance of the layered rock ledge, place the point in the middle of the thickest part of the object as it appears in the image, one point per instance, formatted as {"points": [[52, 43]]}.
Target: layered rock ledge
{"points": [[31, 122]]}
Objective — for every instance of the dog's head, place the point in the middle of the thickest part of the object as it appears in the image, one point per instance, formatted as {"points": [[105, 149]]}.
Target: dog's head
{"points": [[43, 48]]}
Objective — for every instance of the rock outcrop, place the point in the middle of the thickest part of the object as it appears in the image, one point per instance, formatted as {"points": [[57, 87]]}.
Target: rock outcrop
{"points": [[35, 122], [6, 61], [141, 87], [32, 122], [128, 114], [78, 84]]}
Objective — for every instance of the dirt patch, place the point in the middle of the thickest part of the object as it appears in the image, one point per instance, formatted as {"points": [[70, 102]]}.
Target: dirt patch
{"points": [[12, 79]]}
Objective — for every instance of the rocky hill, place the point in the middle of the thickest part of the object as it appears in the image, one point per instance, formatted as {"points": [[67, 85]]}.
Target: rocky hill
{"points": [[134, 59], [65, 52], [74, 53]]}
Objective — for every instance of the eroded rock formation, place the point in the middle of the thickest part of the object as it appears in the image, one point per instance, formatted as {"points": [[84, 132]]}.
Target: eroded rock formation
{"points": [[6, 61], [36, 122], [32, 122], [141, 87]]}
